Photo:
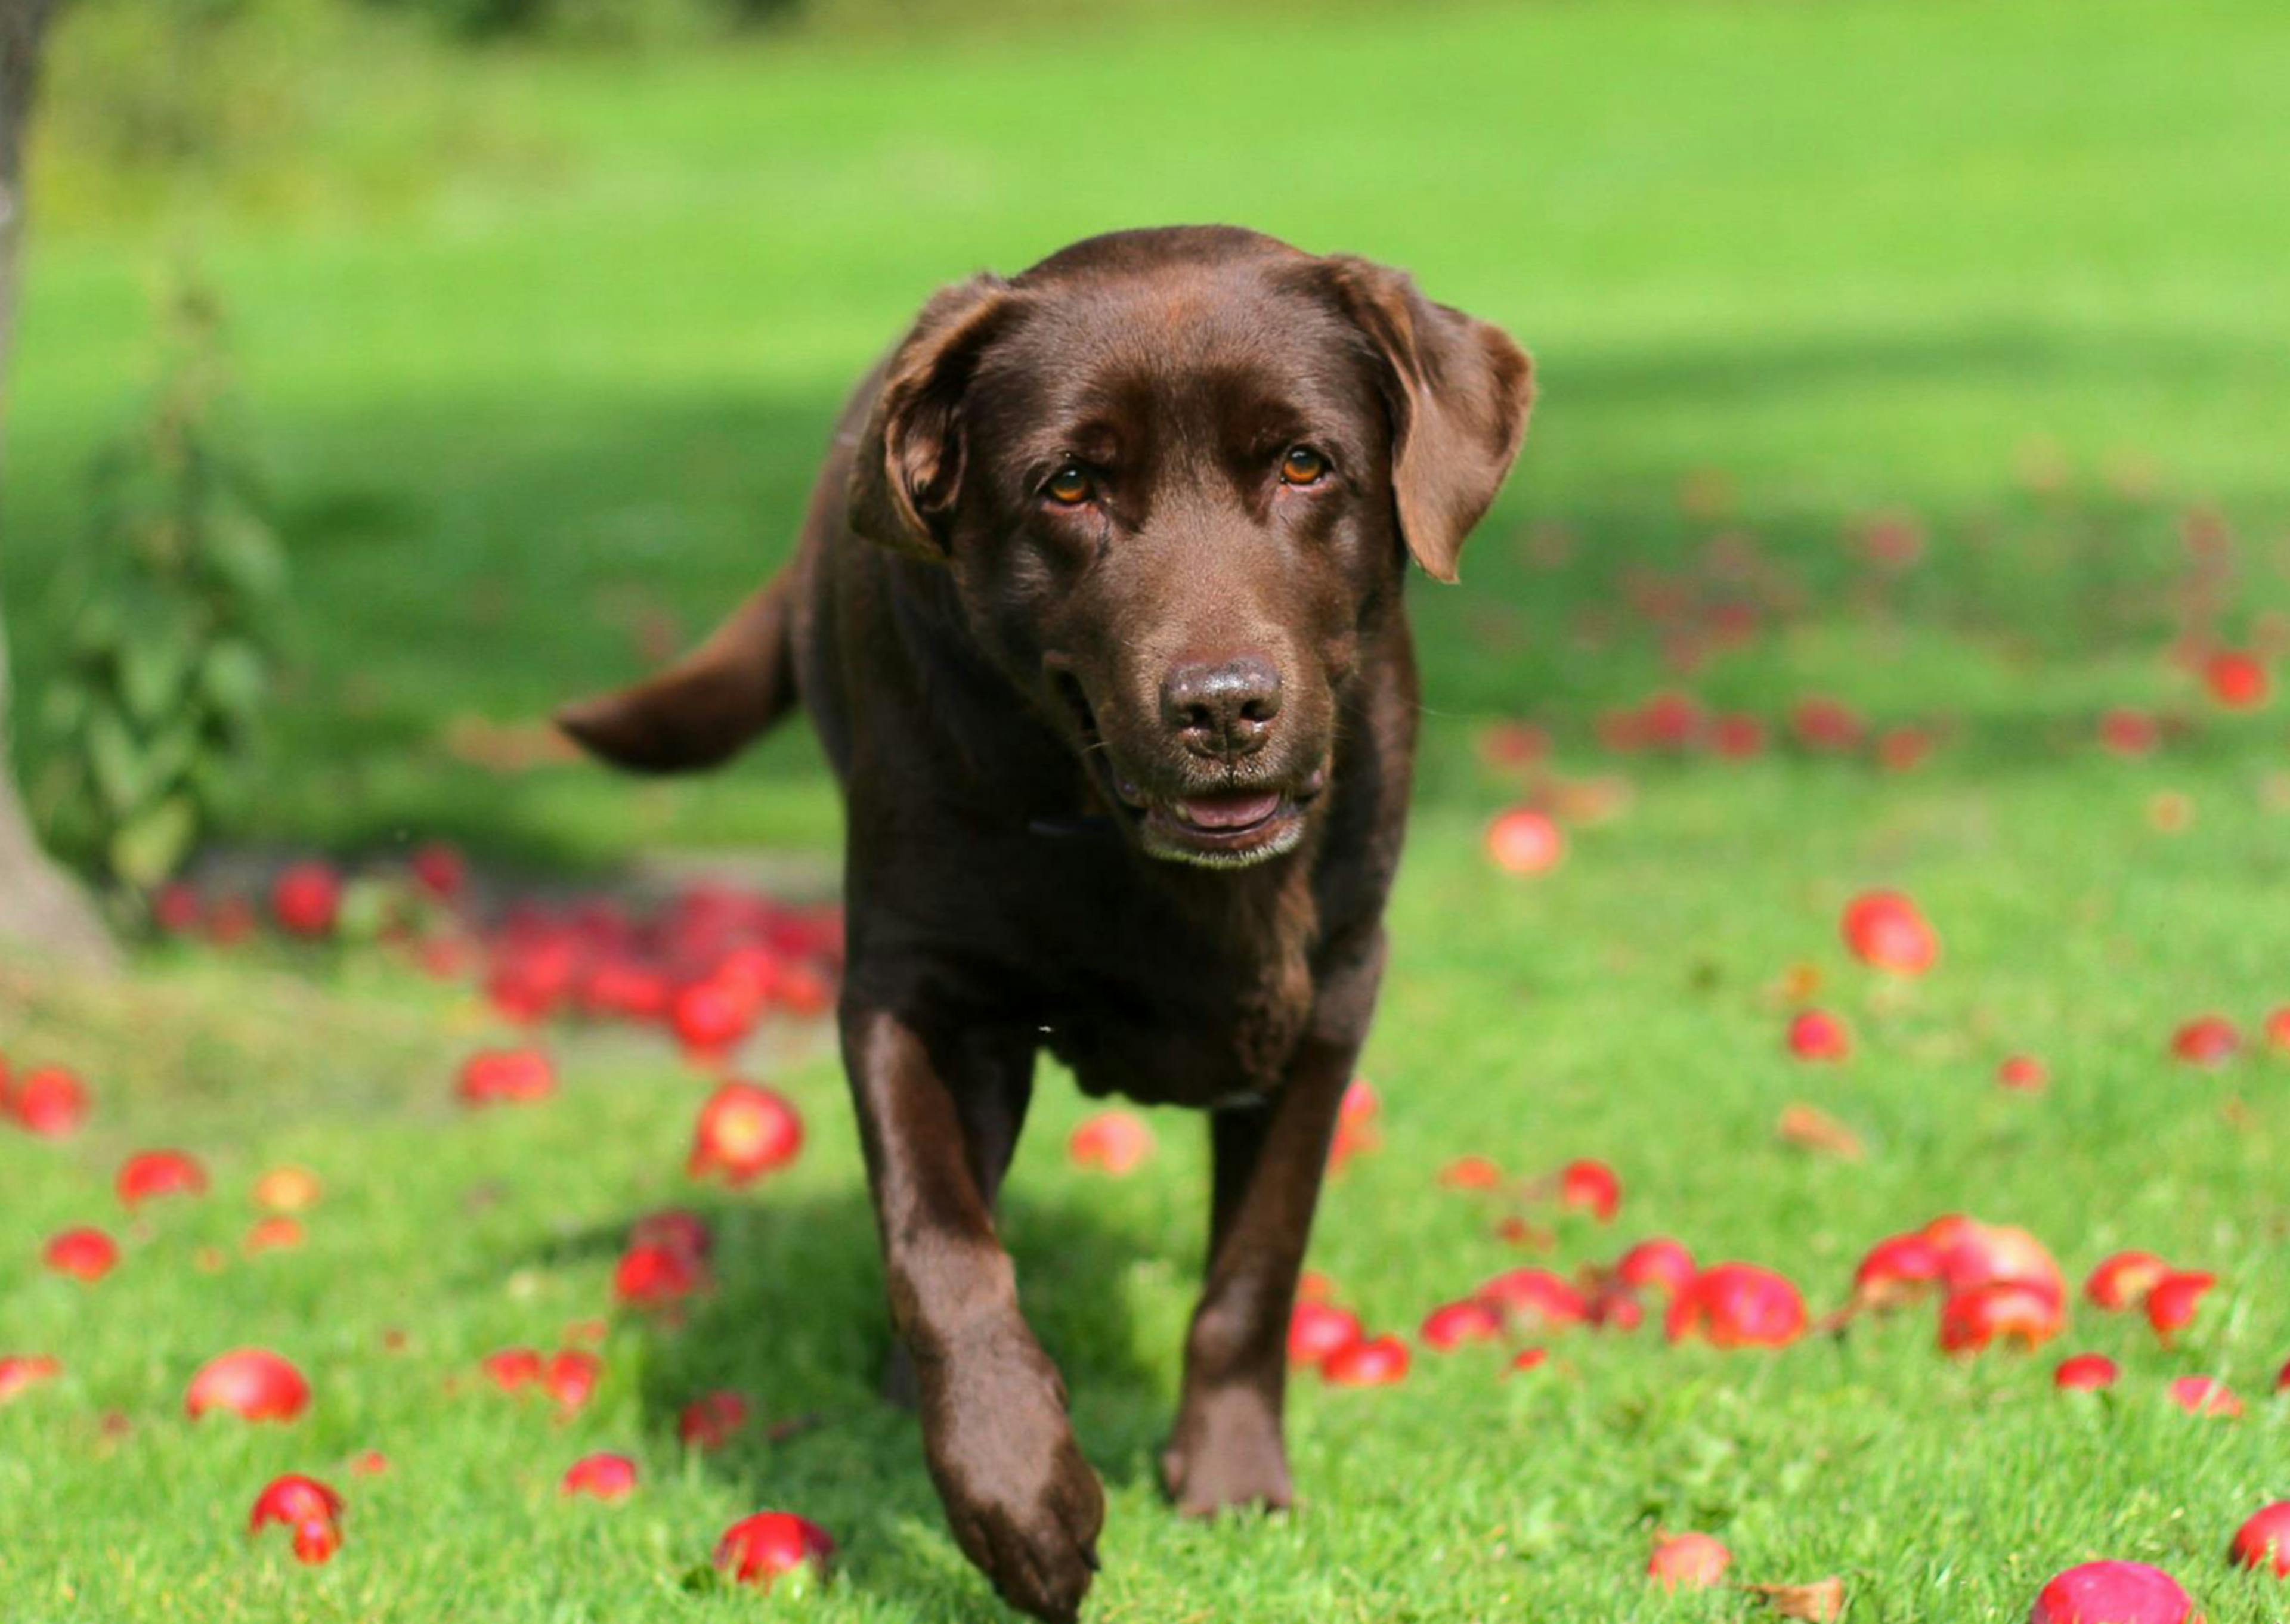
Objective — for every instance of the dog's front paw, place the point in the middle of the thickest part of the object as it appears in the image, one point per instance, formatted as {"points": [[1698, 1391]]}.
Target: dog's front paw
{"points": [[1023, 1504], [1226, 1453]]}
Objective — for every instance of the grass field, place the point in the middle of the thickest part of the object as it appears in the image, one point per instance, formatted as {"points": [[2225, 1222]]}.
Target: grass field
{"points": [[2013, 270]]}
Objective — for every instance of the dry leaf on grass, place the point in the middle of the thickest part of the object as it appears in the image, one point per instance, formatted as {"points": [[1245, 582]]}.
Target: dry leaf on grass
{"points": [[1810, 1129], [1821, 1601]]}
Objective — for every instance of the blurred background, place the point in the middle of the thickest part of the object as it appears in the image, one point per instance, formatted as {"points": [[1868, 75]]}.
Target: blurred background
{"points": [[1891, 353]]}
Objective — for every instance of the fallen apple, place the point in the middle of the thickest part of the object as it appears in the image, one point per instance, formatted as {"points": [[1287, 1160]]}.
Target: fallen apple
{"points": [[571, 1378], [1688, 1562], [253, 1382], [1373, 1362], [1901, 1269], [49, 1102], [1591, 1187], [2208, 1040], [1615, 1307], [1973, 1254], [1661, 1263], [275, 1233], [1114, 1142], [2023, 1072], [505, 1077], [677, 1227], [2205, 1395], [512, 1368], [2264, 1541], [1534, 1299], [2008, 1311], [655, 1276], [2114, 1593], [601, 1477], [371, 1463], [1527, 1359], [1884, 929], [711, 1421], [306, 899], [763, 1548], [309, 1508], [1525, 841], [150, 1174], [2123, 1280], [1738, 1305], [1450, 1325], [1471, 1173], [19, 1372], [83, 1253], [744, 1131], [286, 1190], [2237, 680], [1817, 1035], [1318, 1329], [2085, 1373], [711, 1017], [2174, 1301], [440, 869]]}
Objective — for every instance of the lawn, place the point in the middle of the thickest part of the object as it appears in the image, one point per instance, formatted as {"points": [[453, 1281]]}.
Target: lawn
{"points": [[2007, 277]]}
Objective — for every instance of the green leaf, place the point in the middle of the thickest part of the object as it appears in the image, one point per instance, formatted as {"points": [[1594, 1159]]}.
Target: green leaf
{"points": [[64, 707], [242, 551], [153, 667], [234, 678], [117, 761], [147, 849]]}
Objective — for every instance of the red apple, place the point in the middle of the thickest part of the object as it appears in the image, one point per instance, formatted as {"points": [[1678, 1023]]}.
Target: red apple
{"points": [[2237, 680], [1661, 1263], [512, 1368], [2205, 1395], [1376, 1362], [49, 1102], [311, 1509], [1737, 737], [306, 899], [710, 1017], [1114, 1142], [1688, 1562], [1318, 1329], [2124, 1279], [2277, 1030], [371, 1463], [1534, 1299], [1361, 1104], [571, 1377], [1591, 1187], [761, 1549], [252, 1382], [1817, 1035], [1883, 928], [2114, 1593], [1974, 1254], [2264, 1541], [1524, 841], [601, 1477], [1528, 1359], [1823, 723], [83, 1253], [1471, 1173], [2087, 1372], [505, 1077], [2130, 732], [19, 1372], [656, 1276], [1450, 1326], [2174, 1301], [2208, 1040], [177, 909], [1616, 1308], [1738, 1305], [276, 1233], [1898, 1270], [150, 1174], [2003, 1311], [744, 1131], [712, 1420], [2024, 1073], [439, 869]]}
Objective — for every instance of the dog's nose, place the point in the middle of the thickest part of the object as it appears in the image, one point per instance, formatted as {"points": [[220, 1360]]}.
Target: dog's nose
{"points": [[1221, 708]]}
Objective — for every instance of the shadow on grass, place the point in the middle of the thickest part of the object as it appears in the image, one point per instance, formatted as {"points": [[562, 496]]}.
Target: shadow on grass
{"points": [[795, 1322]]}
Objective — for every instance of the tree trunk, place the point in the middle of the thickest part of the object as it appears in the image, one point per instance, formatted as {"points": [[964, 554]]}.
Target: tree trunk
{"points": [[40, 908]]}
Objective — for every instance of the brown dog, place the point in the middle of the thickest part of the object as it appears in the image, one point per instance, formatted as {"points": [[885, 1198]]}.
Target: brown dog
{"points": [[1098, 612]]}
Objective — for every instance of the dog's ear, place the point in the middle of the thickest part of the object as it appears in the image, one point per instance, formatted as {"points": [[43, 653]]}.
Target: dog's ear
{"points": [[907, 471], [701, 709], [1458, 391]]}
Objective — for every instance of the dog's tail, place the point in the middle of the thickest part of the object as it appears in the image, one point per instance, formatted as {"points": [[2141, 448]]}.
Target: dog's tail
{"points": [[700, 710]]}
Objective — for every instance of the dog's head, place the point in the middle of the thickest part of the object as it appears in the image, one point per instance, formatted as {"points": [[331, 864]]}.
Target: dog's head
{"points": [[1175, 474]]}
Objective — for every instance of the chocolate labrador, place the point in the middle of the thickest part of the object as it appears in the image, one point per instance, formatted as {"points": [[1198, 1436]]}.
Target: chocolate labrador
{"points": [[1097, 610]]}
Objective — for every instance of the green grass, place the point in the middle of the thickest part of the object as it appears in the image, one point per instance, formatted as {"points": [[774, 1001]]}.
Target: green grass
{"points": [[1853, 257]]}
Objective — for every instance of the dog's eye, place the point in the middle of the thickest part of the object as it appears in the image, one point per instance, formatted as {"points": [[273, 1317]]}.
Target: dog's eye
{"points": [[1303, 466], [1070, 486]]}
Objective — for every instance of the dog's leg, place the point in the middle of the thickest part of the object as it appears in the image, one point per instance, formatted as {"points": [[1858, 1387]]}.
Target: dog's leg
{"points": [[991, 1074], [1226, 1449], [1022, 1503]]}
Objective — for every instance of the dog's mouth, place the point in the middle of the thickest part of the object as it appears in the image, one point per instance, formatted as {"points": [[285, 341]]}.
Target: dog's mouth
{"points": [[1229, 825]]}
